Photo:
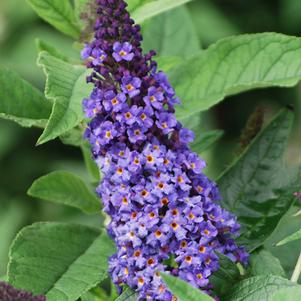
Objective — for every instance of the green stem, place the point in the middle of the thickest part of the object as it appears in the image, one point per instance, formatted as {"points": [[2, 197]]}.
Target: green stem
{"points": [[297, 271]]}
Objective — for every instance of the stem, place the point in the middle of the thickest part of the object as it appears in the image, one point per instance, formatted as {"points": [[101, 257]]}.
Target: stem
{"points": [[297, 271]]}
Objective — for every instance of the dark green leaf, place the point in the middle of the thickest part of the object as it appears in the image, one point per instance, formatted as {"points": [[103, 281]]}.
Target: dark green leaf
{"points": [[21, 102], [183, 290], [258, 288], [59, 13], [234, 65], [254, 188], [127, 295], [66, 85], [65, 188], [169, 36], [149, 9], [263, 262], [62, 261]]}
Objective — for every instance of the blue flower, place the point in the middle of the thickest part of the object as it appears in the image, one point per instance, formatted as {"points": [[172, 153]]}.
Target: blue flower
{"points": [[123, 51], [154, 98], [131, 85]]}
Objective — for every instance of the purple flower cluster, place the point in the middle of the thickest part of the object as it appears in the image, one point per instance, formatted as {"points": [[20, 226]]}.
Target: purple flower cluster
{"points": [[9, 293], [164, 211]]}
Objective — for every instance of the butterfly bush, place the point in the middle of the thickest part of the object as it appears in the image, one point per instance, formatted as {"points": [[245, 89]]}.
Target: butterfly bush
{"points": [[164, 211], [9, 293]]}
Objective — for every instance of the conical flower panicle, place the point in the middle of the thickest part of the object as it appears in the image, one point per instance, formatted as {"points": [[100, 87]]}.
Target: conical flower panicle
{"points": [[161, 205]]}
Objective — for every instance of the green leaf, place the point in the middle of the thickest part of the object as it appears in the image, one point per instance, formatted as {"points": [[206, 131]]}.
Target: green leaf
{"points": [[288, 294], [228, 270], [234, 65], [154, 8], [66, 86], [73, 137], [134, 4], [212, 21], [43, 46], [254, 188], [169, 36], [3, 278], [287, 225], [206, 140], [258, 288], [293, 237], [65, 188], [91, 165], [62, 261], [127, 295], [168, 63], [263, 262], [59, 13], [96, 294], [183, 290], [21, 102]]}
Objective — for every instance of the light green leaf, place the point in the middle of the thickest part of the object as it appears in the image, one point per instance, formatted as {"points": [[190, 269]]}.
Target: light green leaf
{"points": [[134, 4], [254, 188], [65, 188], [21, 102], [43, 46], [3, 278], [66, 86], [205, 140], [288, 294], [286, 226], [293, 237], [169, 37], [234, 65], [62, 261], [263, 262], [258, 288], [183, 290], [96, 294], [154, 8], [59, 13], [168, 63], [127, 295]]}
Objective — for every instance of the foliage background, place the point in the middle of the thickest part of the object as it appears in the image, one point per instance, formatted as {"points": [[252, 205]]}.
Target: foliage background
{"points": [[21, 162]]}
